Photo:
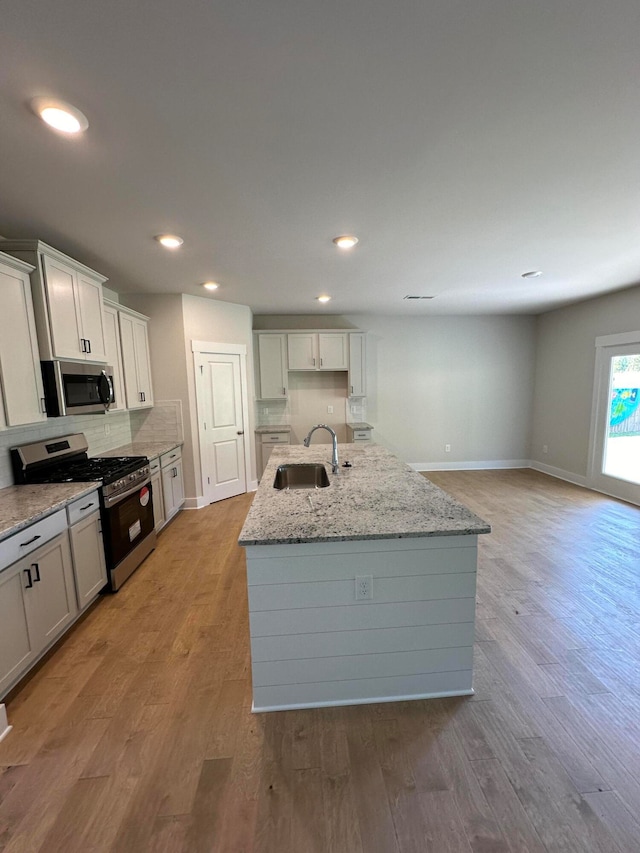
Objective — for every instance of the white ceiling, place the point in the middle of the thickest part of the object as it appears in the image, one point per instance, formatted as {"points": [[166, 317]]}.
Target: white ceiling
{"points": [[464, 141]]}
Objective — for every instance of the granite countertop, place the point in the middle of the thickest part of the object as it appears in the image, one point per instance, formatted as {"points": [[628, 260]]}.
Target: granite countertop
{"points": [[21, 506], [380, 497], [267, 428], [360, 425], [150, 449]]}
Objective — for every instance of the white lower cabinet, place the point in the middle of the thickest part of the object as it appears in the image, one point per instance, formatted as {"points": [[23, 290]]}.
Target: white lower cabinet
{"points": [[265, 444], [16, 651], [37, 603], [156, 493], [88, 559], [172, 482], [48, 589]]}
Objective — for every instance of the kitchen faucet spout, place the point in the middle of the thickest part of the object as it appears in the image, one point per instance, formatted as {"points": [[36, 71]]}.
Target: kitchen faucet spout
{"points": [[334, 441]]}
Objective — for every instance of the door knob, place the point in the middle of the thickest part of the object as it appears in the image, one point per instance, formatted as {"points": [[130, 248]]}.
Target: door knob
{"points": [[240, 432]]}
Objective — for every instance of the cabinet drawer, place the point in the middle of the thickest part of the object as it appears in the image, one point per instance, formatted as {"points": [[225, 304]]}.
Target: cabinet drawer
{"points": [[32, 537], [171, 457], [362, 435], [275, 438], [154, 465], [83, 507]]}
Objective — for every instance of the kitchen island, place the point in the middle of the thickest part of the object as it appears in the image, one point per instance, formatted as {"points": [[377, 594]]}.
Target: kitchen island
{"points": [[363, 591]]}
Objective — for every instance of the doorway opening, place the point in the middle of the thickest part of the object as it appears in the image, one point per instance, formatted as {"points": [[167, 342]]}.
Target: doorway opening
{"points": [[615, 427]]}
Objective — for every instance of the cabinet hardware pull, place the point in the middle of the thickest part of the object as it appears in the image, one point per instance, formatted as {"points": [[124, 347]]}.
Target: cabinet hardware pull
{"points": [[83, 345], [89, 344], [43, 405], [321, 362], [284, 392], [314, 362], [29, 541], [86, 506], [144, 397], [352, 389], [37, 571], [30, 584]]}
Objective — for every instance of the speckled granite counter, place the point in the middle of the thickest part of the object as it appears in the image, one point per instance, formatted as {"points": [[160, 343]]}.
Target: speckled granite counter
{"points": [[265, 429], [150, 449], [21, 506], [380, 497]]}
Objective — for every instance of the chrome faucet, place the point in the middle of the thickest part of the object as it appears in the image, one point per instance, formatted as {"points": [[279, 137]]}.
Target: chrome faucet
{"points": [[334, 440]]}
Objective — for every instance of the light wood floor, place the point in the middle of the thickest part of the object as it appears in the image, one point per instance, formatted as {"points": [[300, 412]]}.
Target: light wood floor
{"points": [[136, 734]]}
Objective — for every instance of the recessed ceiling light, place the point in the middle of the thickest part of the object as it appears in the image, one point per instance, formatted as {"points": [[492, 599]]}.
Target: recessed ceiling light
{"points": [[170, 241], [211, 285], [323, 298], [60, 115], [532, 274], [346, 241]]}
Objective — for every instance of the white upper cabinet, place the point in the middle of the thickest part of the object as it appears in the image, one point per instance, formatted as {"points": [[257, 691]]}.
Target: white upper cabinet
{"points": [[114, 353], [272, 366], [357, 365], [136, 362], [67, 300], [318, 351], [20, 374]]}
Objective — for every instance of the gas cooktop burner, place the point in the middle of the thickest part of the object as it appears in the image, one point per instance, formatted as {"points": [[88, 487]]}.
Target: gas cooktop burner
{"points": [[102, 468]]}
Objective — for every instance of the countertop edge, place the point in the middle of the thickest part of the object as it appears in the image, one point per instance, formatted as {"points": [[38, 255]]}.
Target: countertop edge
{"points": [[84, 489], [372, 537]]}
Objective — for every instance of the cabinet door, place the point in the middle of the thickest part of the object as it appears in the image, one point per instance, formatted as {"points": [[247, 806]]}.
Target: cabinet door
{"points": [[89, 299], [357, 365], [16, 651], [50, 604], [143, 361], [334, 351], [167, 492], [302, 351], [129, 366], [177, 485], [88, 559], [114, 355], [66, 334], [158, 501], [19, 360], [273, 366]]}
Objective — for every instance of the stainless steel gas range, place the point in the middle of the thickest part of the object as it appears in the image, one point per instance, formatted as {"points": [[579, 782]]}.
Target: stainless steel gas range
{"points": [[126, 501]]}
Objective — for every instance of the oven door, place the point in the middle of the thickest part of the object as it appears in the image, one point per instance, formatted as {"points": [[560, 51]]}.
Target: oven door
{"points": [[127, 522], [77, 389]]}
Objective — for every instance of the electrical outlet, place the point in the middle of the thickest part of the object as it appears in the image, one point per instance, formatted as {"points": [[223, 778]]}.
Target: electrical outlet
{"points": [[265, 411], [354, 410], [545, 448], [107, 429], [364, 587], [329, 410], [447, 448]]}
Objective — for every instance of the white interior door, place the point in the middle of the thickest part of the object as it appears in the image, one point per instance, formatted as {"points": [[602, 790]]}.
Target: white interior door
{"points": [[222, 440], [615, 441]]}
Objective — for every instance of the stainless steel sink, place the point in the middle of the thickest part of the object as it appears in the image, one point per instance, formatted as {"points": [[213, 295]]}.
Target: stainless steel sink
{"points": [[304, 475]]}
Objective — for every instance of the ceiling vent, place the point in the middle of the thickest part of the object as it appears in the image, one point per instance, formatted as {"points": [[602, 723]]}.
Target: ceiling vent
{"points": [[418, 297]]}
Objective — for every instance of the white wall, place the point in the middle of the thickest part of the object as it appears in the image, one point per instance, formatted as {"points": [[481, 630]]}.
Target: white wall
{"points": [[176, 320], [564, 375], [220, 323], [463, 381]]}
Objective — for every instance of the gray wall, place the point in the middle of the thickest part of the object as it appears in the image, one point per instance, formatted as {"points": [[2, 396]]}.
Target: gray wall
{"points": [[565, 362], [463, 381]]}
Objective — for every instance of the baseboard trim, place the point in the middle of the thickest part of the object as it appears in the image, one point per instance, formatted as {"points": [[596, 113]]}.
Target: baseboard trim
{"points": [[5, 728], [195, 503], [489, 465], [373, 701], [559, 473], [252, 486]]}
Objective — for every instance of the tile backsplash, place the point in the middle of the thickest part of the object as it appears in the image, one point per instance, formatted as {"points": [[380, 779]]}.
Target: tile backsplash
{"points": [[161, 423], [103, 432]]}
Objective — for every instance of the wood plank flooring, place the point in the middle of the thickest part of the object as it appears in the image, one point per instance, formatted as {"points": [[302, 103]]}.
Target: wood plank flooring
{"points": [[136, 734]]}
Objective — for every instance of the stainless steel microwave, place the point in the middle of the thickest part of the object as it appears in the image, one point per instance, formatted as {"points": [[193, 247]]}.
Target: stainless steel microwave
{"points": [[77, 389]]}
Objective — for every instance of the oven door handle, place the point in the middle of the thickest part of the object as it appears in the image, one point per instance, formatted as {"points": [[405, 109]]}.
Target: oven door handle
{"points": [[112, 500]]}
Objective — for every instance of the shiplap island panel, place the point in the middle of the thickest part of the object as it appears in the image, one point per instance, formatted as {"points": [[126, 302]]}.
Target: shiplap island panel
{"points": [[313, 643]]}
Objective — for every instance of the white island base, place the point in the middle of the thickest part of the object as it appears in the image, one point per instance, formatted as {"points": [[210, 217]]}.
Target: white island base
{"points": [[314, 645]]}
